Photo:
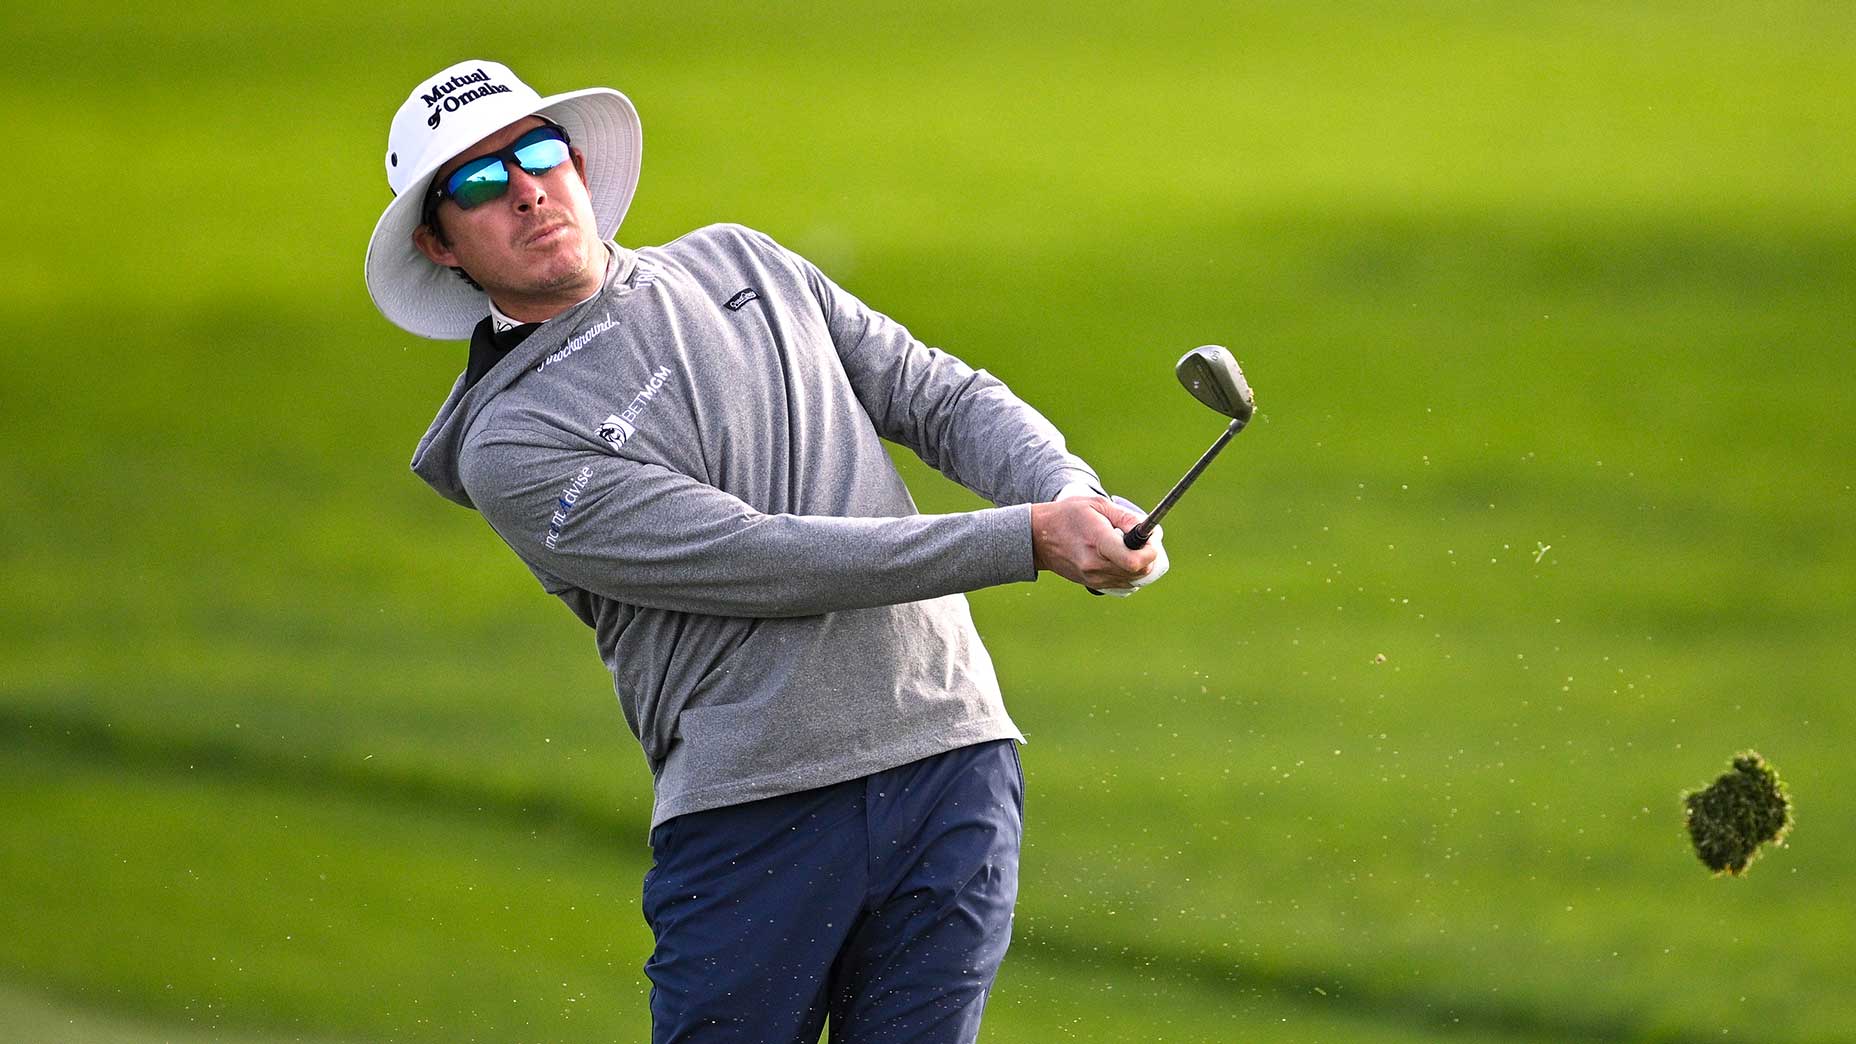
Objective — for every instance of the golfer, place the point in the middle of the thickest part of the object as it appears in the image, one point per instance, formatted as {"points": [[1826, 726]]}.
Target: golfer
{"points": [[684, 444]]}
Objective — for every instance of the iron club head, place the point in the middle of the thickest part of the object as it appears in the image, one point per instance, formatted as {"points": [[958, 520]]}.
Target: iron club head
{"points": [[1213, 378]]}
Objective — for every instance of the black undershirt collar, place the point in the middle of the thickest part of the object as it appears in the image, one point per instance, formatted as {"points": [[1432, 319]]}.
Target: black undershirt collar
{"points": [[488, 346]]}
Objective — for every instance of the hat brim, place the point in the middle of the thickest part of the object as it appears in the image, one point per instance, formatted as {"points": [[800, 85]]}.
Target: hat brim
{"points": [[422, 298]]}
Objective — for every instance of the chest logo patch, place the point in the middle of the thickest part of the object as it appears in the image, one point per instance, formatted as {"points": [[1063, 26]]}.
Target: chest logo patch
{"points": [[741, 298], [618, 428]]}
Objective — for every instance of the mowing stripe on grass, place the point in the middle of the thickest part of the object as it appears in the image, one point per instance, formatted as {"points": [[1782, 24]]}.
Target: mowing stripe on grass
{"points": [[1244, 982]]}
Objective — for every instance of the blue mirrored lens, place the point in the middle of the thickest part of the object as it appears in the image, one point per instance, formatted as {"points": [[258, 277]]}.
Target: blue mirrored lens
{"points": [[478, 182], [542, 156]]}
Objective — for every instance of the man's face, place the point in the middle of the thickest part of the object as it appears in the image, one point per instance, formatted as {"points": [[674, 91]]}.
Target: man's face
{"points": [[536, 242]]}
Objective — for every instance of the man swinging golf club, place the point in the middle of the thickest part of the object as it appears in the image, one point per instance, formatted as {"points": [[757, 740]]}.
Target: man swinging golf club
{"points": [[684, 444]]}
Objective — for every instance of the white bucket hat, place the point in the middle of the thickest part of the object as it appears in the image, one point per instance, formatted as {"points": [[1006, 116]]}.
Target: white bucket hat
{"points": [[448, 113]]}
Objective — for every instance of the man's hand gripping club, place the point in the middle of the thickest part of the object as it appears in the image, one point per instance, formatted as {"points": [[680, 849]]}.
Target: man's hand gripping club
{"points": [[1079, 539]]}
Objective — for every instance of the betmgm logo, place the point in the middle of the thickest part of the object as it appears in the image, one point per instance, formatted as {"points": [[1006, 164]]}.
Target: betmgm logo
{"points": [[619, 427], [616, 430]]}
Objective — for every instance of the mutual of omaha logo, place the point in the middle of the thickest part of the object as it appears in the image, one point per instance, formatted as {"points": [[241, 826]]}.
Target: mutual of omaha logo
{"points": [[741, 298], [457, 92], [564, 504], [618, 428]]}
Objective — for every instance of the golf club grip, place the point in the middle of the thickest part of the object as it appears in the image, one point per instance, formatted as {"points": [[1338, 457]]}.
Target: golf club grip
{"points": [[1134, 539]]}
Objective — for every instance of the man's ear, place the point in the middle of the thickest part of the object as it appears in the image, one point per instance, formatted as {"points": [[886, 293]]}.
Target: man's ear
{"points": [[433, 248]]}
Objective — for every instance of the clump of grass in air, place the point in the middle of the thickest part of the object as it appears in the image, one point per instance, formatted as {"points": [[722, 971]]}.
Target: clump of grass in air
{"points": [[1734, 815]]}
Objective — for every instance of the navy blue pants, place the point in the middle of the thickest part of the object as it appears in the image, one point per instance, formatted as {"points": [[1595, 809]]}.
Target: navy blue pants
{"points": [[884, 902]]}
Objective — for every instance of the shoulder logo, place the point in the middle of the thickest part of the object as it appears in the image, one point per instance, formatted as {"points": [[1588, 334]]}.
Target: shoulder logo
{"points": [[577, 342], [741, 298]]}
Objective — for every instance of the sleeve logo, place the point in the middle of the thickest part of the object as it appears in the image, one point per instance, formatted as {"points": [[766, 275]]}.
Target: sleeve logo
{"points": [[564, 505]]}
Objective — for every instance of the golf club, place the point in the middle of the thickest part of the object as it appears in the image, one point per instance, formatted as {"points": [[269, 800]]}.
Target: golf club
{"points": [[1213, 378]]}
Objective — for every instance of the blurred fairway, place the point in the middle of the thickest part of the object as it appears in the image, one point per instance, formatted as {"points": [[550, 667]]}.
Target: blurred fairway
{"points": [[1549, 310]]}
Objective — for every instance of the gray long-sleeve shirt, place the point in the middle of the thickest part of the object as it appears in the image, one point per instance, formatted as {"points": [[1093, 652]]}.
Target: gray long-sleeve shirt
{"points": [[691, 460]]}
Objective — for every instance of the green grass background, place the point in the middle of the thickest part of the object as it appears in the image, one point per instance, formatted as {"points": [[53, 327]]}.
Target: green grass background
{"points": [[1549, 310]]}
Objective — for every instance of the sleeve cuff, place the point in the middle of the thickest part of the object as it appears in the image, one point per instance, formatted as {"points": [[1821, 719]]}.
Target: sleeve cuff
{"points": [[1073, 482], [1013, 560]]}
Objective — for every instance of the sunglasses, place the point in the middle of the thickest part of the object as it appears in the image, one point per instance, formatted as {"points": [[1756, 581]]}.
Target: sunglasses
{"points": [[481, 179]]}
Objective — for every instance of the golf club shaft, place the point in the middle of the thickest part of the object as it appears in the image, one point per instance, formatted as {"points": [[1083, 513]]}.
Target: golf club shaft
{"points": [[1136, 538]]}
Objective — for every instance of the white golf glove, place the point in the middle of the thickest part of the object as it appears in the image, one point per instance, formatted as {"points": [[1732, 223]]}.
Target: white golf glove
{"points": [[1084, 489]]}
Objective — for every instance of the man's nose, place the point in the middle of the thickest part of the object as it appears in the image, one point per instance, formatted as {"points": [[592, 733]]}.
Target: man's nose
{"points": [[526, 190]]}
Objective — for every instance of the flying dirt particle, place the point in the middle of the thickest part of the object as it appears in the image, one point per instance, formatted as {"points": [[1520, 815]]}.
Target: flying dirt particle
{"points": [[1379, 658], [1742, 810]]}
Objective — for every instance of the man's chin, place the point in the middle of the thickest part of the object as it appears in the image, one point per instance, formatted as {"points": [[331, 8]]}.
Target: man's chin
{"points": [[561, 269]]}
